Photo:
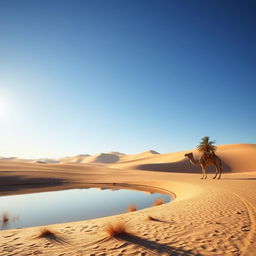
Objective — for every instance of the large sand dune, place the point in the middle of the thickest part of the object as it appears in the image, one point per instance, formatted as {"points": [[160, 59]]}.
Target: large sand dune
{"points": [[235, 157]]}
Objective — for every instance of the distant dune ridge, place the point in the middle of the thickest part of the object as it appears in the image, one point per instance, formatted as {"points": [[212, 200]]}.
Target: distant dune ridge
{"points": [[236, 157], [116, 153], [46, 161], [74, 159], [104, 158]]}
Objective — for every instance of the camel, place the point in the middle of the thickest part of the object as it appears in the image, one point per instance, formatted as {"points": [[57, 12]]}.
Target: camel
{"points": [[203, 162]]}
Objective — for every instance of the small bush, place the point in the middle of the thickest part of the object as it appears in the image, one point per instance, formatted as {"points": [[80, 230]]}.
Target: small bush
{"points": [[116, 229], [149, 217], [45, 232], [158, 201], [132, 208]]}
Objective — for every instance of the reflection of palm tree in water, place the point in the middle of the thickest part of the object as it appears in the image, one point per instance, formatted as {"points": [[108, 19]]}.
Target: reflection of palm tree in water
{"points": [[6, 218]]}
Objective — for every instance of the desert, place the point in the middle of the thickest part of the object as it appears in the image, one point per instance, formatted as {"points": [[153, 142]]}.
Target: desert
{"points": [[205, 217], [127, 128]]}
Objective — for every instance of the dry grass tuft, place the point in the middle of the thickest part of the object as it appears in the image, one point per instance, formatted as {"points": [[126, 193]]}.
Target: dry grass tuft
{"points": [[45, 232], [158, 201], [149, 217], [116, 229], [52, 236], [132, 208]]}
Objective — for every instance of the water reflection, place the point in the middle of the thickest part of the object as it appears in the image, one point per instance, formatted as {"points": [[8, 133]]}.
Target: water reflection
{"points": [[72, 205], [6, 218]]}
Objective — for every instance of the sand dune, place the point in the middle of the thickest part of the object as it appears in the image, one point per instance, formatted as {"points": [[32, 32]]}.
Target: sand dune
{"points": [[103, 158], [46, 161], [116, 153], [9, 158], [239, 157], [149, 152], [207, 217], [236, 158], [41, 160], [74, 159]]}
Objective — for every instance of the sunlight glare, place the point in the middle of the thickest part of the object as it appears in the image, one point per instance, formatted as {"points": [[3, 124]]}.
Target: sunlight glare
{"points": [[3, 108]]}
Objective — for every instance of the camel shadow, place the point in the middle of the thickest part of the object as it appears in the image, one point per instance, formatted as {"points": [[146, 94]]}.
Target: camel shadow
{"points": [[182, 166], [239, 178], [156, 247]]}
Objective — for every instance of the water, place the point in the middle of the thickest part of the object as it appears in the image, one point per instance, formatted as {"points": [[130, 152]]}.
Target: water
{"points": [[70, 205]]}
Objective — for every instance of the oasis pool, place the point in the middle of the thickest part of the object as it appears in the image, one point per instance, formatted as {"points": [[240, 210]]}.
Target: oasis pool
{"points": [[18, 211]]}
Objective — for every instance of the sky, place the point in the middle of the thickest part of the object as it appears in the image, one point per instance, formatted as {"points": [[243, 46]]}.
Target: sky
{"points": [[84, 77]]}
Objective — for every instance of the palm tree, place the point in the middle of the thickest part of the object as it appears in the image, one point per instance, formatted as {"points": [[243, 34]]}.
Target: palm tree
{"points": [[206, 145]]}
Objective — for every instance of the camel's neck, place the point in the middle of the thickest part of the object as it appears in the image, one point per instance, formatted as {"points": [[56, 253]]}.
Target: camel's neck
{"points": [[193, 161]]}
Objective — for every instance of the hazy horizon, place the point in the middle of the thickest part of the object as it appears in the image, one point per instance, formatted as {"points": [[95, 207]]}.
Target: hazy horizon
{"points": [[109, 152], [85, 77]]}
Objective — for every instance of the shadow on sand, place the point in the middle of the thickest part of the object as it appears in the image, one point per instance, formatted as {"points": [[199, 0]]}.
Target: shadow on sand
{"points": [[183, 166], [155, 247], [150, 218], [10, 183], [54, 238], [239, 178]]}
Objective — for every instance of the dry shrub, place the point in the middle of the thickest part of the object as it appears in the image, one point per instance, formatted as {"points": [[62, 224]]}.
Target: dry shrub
{"points": [[149, 217], [45, 232], [132, 208], [158, 201], [116, 229]]}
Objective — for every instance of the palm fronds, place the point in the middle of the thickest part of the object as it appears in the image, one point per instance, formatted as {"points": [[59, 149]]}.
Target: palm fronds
{"points": [[206, 145]]}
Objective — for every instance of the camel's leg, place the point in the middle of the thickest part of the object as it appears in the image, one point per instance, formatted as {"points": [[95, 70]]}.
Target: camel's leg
{"points": [[217, 171], [220, 170], [203, 172]]}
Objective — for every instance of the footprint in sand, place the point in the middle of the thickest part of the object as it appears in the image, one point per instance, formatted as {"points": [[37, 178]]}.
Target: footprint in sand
{"points": [[83, 228], [37, 252], [19, 244], [32, 245], [88, 230], [7, 236]]}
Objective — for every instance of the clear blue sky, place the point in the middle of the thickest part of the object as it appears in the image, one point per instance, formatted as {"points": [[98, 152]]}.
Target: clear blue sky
{"points": [[97, 76]]}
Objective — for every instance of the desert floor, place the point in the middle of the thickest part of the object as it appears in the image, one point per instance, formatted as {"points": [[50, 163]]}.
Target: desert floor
{"points": [[206, 217]]}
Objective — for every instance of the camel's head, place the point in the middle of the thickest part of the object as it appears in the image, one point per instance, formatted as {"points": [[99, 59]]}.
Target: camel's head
{"points": [[188, 155]]}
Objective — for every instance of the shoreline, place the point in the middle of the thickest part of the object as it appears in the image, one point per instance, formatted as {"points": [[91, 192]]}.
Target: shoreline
{"points": [[129, 186]]}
